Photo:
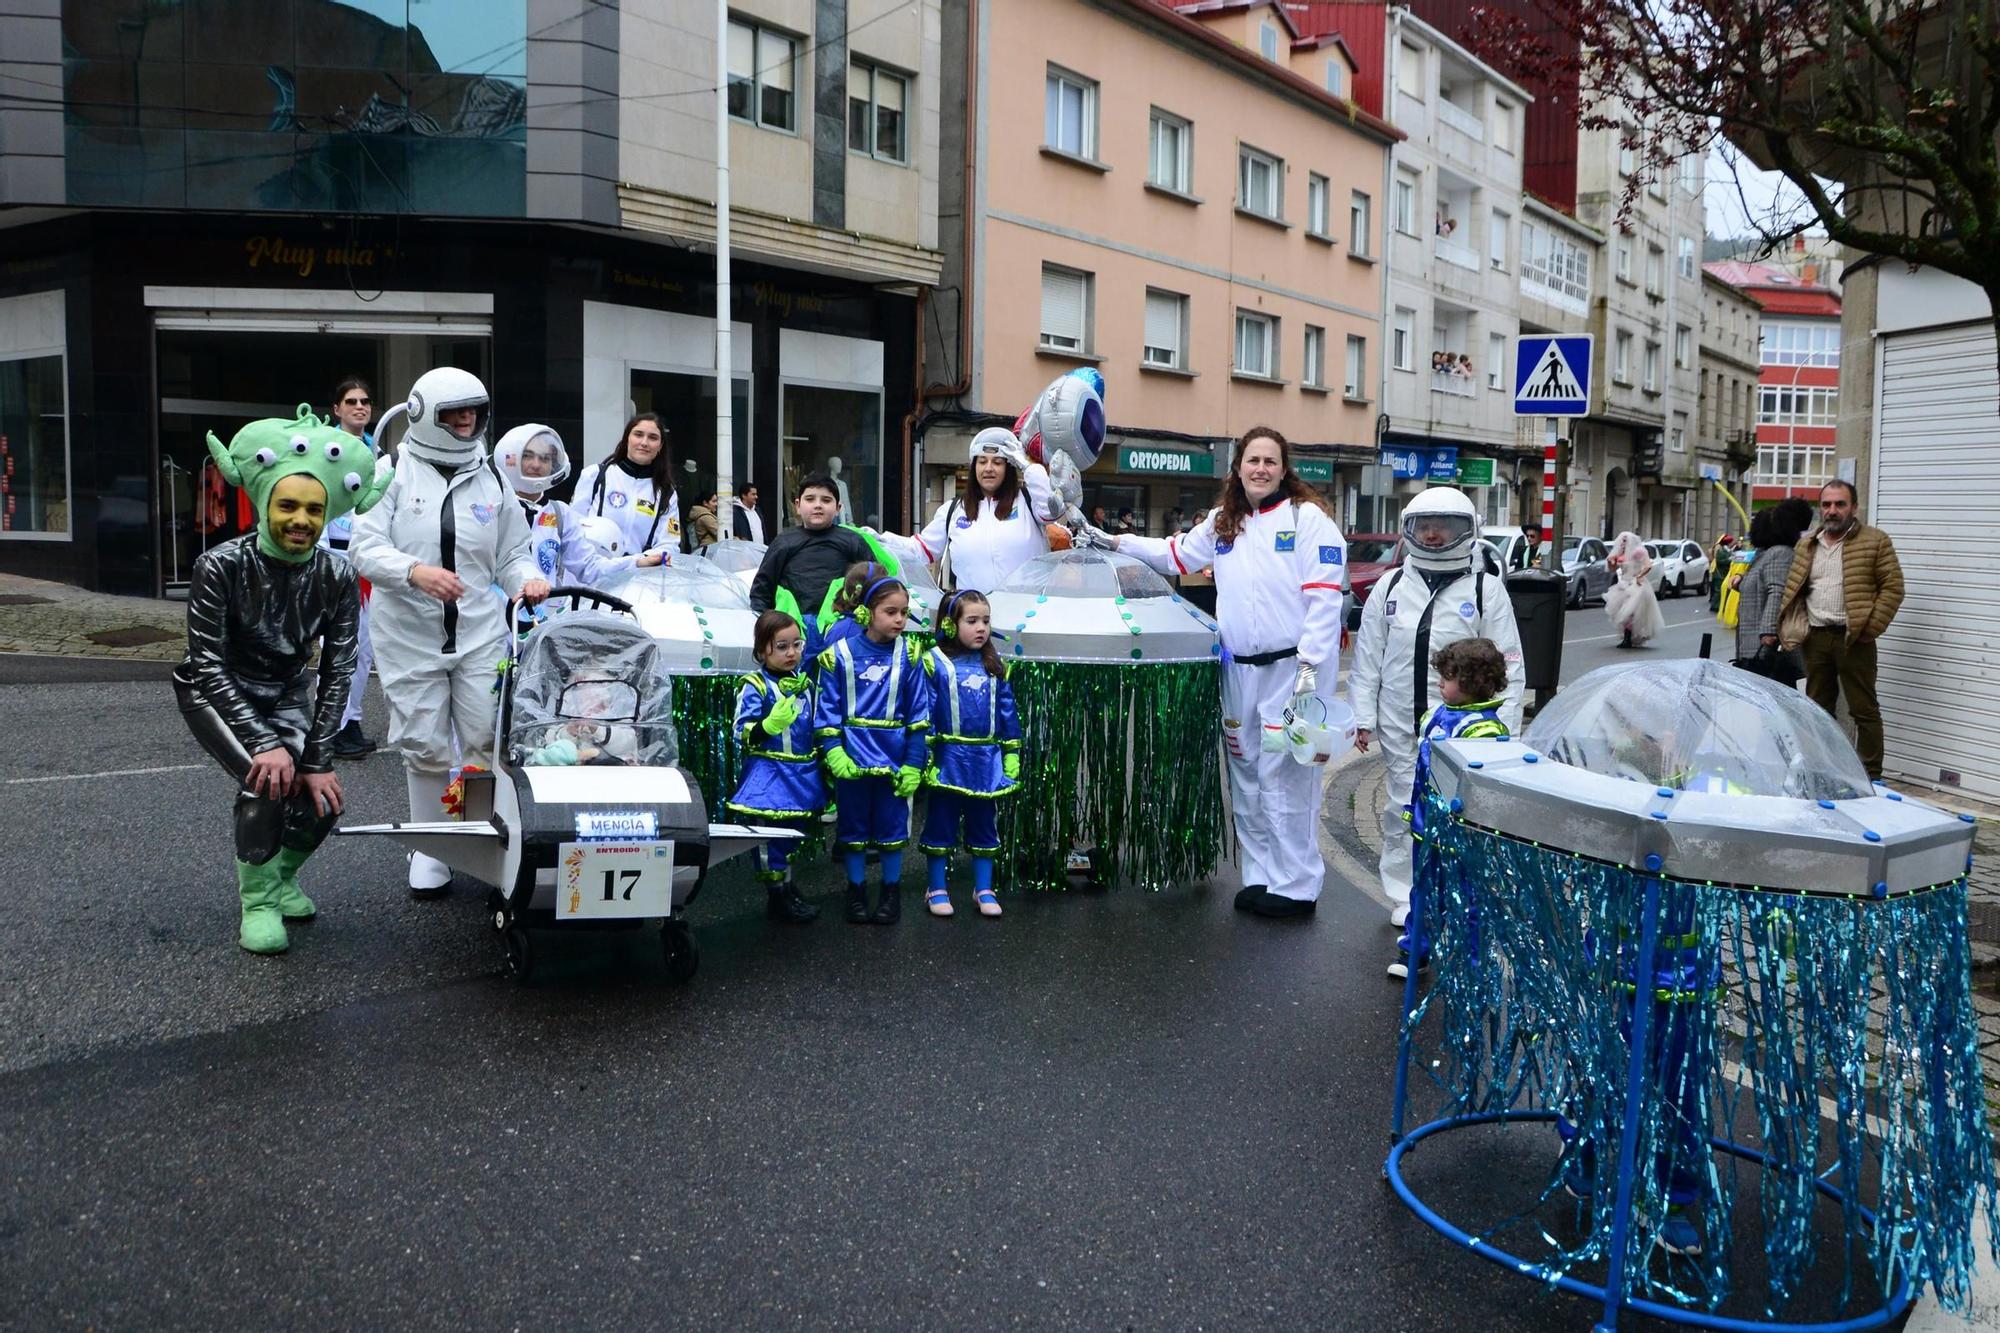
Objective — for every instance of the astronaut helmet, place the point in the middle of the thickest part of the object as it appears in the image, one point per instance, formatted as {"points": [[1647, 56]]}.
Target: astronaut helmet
{"points": [[1439, 528], [531, 459], [604, 532], [436, 392]]}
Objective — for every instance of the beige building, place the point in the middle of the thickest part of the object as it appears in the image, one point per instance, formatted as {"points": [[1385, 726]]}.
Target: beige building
{"points": [[1194, 214], [1726, 421]]}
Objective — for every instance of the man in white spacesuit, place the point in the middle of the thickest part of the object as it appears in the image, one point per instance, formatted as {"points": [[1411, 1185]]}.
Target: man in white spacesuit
{"points": [[445, 532], [1442, 592]]}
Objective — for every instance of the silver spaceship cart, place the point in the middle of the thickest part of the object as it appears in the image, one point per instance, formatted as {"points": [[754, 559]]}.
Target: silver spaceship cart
{"points": [[1118, 681], [1683, 949]]}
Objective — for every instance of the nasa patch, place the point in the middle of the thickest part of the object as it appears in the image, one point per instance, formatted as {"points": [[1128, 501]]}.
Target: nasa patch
{"points": [[482, 512], [1224, 548], [1287, 541], [1467, 610], [546, 553], [964, 523], [1332, 555], [618, 499]]}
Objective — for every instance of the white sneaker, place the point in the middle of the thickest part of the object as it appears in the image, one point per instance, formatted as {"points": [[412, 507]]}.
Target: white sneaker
{"points": [[428, 874], [1399, 915]]}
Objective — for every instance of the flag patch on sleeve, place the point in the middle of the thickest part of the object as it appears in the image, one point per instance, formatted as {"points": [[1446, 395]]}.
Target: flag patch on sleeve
{"points": [[1332, 555]]}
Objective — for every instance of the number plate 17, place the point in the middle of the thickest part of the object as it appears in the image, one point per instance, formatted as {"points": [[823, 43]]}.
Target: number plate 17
{"points": [[599, 881]]}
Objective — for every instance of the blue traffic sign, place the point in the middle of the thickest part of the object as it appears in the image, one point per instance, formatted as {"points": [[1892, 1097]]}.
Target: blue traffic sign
{"points": [[1552, 375], [1428, 462]]}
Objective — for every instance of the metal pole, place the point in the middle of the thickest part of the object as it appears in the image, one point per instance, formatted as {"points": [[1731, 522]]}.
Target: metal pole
{"points": [[725, 379], [1550, 440], [1638, 1067]]}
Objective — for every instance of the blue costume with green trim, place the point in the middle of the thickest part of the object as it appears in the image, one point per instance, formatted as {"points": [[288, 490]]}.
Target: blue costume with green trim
{"points": [[974, 725], [781, 776], [1445, 722], [874, 702]]}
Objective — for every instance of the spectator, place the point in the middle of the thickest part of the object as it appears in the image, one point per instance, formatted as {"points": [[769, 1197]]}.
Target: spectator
{"points": [[1718, 569], [1465, 365], [1843, 589], [1528, 554], [1098, 518], [746, 524], [707, 529], [1773, 532], [1128, 522]]}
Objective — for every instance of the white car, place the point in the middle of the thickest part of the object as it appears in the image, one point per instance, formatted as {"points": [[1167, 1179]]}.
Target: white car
{"points": [[1682, 565]]}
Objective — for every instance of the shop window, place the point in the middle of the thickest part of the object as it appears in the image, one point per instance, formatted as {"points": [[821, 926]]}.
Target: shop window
{"points": [[836, 431], [34, 448], [763, 68], [685, 405], [875, 102]]}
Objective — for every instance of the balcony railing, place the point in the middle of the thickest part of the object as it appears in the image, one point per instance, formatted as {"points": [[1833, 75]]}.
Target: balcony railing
{"points": [[1454, 383], [1461, 120], [1453, 252]]}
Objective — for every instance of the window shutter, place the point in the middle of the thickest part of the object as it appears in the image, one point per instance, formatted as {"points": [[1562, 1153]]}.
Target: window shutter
{"points": [[1163, 323], [1062, 308]]}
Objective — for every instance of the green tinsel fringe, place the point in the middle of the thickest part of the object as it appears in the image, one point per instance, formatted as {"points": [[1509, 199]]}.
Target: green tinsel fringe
{"points": [[704, 707], [1121, 759]]}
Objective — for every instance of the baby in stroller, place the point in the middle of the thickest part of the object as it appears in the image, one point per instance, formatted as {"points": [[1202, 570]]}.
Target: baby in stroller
{"points": [[597, 713], [588, 689]]}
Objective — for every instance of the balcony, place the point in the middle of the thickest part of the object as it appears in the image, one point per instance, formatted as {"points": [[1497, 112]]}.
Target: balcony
{"points": [[1457, 383], [1466, 123], [1456, 252]]}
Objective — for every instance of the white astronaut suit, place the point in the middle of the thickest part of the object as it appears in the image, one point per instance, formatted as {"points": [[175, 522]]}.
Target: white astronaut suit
{"points": [[985, 548], [565, 548], [1439, 595], [1280, 587], [437, 660]]}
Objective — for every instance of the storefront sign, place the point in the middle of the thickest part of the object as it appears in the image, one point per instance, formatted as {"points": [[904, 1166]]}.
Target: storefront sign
{"points": [[1438, 463], [1172, 462], [303, 258], [1475, 472], [1315, 470]]}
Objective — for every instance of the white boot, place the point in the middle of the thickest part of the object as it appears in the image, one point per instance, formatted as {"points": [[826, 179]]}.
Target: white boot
{"points": [[429, 877]]}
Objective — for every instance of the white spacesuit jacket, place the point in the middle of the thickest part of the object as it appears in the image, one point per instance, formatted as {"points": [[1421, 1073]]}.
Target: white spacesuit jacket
{"points": [[437, 660], [1279, 591], [562, 553], [632, 503], [1404, 625], [985, 548]]}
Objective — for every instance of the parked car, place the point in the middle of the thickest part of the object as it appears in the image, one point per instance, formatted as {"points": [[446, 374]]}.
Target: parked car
{"points": [[1369, 556], [1587, 562], [1683, 565]]}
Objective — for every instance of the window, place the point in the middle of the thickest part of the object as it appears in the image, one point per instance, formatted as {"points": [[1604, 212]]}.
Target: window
{"points": [[1069, 114], [1652, 367], [1256, 345], [1065, 309], [1801, 344], [1683, 346], [1628, 150], [1360, 225], [1313, 367], [34, 420], [875, 102], [1496, 360], [1267, 41], [1657, 186], [1656, 269], [1686, 259], [1621, 358], [1403, 339], [1497, 225], [1690, 173], [1677, 439], [1624, 251], [1797, 406], [1166, 331], [763, 65], [1554, 268], [1260, 183], [1410, 71], [1336, 77], [1318, 209], [1171, 166], [1404, 204], [1503, 127], [1357, 365]]}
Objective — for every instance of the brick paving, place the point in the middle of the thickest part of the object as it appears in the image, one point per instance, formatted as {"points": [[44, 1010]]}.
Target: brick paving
{"points": [[56, 620]]}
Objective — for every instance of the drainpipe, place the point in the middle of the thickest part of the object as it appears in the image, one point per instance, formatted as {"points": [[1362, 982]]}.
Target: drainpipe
{"points": [[1392, 33]]}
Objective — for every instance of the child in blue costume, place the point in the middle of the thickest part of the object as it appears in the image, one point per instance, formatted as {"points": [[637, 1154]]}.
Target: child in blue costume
{"points": [[975, 748], [1472, 678], [874, 708], [860, 576], [781, 779]]}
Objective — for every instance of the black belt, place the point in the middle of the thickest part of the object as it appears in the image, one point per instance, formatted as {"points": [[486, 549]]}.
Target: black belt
{"points": [[1263, 659]]}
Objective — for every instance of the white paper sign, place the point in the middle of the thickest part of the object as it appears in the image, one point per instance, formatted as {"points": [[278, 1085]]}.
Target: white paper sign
{"points": [[609, 825], [598, 881]]}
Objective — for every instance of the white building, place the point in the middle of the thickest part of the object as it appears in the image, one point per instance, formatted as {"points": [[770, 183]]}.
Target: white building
{"points": [[1454, 250], [1560, 259]]}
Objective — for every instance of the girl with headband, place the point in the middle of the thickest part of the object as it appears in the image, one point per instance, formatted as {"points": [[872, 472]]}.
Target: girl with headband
{"points": [[975, 743]]}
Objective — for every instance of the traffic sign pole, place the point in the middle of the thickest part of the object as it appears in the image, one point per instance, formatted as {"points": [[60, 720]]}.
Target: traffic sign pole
{"points": [[1550, 441]]}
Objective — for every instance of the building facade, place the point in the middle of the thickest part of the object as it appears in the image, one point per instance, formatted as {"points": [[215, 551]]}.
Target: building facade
{"points": [[1798, 388], [1726, 422], [212, 213], [1196, 213]]}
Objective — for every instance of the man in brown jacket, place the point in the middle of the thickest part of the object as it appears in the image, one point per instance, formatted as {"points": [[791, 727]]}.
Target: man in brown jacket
{"points": [[1847, 582]]}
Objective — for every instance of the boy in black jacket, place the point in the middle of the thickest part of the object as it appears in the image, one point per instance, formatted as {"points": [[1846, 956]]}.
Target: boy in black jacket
{"points": [[804, 561]]}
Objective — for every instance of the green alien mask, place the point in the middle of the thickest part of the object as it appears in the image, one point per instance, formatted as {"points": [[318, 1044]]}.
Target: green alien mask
{"points": [[265, 452]]}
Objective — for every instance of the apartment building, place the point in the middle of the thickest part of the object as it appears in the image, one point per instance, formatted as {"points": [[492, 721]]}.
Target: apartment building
{"points": [[1194, 208], [1798, 385], [213, 212], [1726, 421], [1561, 265], [1636, 447]]}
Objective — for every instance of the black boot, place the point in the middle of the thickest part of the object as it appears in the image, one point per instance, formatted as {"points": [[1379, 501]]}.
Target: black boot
{"points": [[786, 905], [857, 904], [1247, 896], [889, 907]]}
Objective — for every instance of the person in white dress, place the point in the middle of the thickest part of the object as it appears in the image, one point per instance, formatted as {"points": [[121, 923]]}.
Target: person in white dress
{"points": [[1630, 603], [994, 525], [1280, 586], [634, 488]]}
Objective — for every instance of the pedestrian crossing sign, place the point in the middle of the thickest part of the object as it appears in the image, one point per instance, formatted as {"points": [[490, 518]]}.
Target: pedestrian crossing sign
{"points": [[1552, 375]]}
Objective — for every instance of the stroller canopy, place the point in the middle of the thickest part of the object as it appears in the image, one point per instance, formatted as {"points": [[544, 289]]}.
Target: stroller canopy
{"points": [[597, 671]]}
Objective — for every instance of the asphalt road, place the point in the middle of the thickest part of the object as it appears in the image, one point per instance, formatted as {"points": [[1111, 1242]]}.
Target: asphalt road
{"points": [[1590, 642], [1105, 1109]]}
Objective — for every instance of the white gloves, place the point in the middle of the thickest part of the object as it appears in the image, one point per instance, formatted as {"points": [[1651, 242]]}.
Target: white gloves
{"points": [[1307, 681], [1088, 534]]}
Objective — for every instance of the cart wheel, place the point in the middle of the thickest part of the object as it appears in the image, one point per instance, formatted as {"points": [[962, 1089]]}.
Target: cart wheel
{"points": [[677, 945], [520, 953], [496, 909]]}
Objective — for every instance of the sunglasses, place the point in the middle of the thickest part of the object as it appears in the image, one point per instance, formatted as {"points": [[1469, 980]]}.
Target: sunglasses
{"points": [[356, 402]]}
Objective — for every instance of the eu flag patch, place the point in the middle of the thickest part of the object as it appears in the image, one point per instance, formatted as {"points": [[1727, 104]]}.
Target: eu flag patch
{"points": [[1332, 555]]}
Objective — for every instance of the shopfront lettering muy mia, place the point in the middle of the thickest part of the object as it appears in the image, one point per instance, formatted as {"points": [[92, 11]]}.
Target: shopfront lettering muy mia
{"points": [[302, 259]]}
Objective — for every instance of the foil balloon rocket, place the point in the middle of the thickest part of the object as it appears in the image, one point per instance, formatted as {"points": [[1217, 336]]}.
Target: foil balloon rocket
{"points": [[1067, 420]]}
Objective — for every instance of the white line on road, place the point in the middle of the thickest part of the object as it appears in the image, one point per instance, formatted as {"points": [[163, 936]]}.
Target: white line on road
{"points": [[108, 773]]}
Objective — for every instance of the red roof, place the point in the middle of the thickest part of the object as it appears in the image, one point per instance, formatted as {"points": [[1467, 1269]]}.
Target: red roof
{"points": [[1198, 7], [1775, 290]]}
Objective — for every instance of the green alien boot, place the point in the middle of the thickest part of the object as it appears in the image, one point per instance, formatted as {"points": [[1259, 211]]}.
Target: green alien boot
{"points": [[291, 901], [263, 924]]}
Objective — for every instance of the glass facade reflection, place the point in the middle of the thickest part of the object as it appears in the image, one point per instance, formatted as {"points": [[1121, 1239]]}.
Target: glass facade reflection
{"points": [[367, 106]]}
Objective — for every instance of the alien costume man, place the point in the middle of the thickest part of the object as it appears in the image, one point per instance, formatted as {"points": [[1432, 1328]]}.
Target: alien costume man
{"points": [[257, 608]]}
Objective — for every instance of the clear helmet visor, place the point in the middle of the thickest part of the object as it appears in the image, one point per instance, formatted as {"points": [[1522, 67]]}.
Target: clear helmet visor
{"points": [[1437, 532]]}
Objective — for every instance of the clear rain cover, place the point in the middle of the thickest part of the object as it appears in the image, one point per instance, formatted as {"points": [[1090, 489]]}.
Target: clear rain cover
{"points": [[594, 672], [1695, 724], [732, 556], [684, 583], [1082, 572]]}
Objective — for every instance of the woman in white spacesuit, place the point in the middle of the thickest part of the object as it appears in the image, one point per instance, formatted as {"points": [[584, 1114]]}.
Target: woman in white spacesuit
{"points": [[446, 530], [532, 461], [1441, 593], [1280, 584], [634, 488], [994, 525]]}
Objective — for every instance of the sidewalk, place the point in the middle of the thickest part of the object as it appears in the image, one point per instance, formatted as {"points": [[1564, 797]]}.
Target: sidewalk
{"points": [[56, 620]]}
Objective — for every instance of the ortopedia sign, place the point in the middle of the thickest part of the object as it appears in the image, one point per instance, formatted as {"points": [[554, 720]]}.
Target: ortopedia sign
{"points": [[1171, 462]]}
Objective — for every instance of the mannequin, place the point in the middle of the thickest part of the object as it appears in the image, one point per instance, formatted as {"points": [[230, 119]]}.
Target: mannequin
{"points": [[833, 469]]}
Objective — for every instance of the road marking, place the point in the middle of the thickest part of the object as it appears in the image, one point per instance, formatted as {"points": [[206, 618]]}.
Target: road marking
{"points": [[108, 773]]}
